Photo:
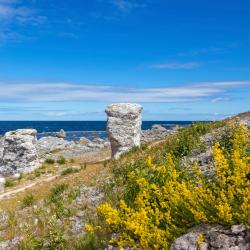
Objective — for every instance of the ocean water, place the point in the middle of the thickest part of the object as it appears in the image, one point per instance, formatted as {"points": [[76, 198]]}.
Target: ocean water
{"points": [[75, 129]]}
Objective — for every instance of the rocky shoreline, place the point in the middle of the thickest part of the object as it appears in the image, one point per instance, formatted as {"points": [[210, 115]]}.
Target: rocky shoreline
{"points": [[54, 147]]}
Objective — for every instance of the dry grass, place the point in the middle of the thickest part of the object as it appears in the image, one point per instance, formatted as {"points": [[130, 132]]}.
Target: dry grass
{"points": [[40, 182]]}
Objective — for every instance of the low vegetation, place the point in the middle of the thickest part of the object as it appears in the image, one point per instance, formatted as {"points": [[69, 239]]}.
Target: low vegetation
{"points": [[159, 200], [151, 196]]}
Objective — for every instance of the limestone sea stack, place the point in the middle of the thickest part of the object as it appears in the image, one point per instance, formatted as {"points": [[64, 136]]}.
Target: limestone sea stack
{"points": [[19, 154], [124, 127]]}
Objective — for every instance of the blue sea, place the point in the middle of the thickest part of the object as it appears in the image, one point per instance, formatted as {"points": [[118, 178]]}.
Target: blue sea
{"points": [[75, 129]]}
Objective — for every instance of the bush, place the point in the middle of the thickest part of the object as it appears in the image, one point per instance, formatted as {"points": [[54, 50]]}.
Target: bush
{"points": [[50, 161], [28, 200], [166, 200], [8, 183], [61, 160], [57, 192], [57, 203]]}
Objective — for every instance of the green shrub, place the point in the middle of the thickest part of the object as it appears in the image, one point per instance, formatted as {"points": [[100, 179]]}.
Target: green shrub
{"points": [[56, 200], [61, 160], [69, 170], [8, 183], [57, 192], [50, 161], [28, 200]]}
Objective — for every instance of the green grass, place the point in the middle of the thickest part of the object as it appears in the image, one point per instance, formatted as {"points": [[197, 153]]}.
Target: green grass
{"points": [[28, 200], [69, 170], [61, 160], [8, 183], [50, 161]]}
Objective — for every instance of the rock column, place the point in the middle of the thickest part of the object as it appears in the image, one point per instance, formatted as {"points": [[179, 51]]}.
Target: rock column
{"points": [[19, 154], [124, 127]]}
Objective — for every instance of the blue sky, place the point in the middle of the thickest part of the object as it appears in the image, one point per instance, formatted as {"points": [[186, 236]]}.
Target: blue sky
{"points": [[67, 60]]}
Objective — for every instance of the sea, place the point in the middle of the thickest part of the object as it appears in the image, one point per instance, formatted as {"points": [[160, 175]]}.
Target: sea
{"points": [[76, 129]]}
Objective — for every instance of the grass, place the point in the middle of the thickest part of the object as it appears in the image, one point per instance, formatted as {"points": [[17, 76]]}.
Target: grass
{"points": [[69, 170], [9, 183], [61, 160], [28, 200], [50, 161]]}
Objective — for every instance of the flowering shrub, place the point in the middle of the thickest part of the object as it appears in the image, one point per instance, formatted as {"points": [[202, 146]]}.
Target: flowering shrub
{"points": [[168, 201]]}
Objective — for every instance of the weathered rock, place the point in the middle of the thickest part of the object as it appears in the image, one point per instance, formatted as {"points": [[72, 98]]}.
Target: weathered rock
{"points": [[157, 132], [53, 147], [214, 237], [84, 140], [50, 144], [1, 147], [124, 127], [61, 134], [19, 152], [98, 140], [2, 182], [10, 244], [158, 128]]}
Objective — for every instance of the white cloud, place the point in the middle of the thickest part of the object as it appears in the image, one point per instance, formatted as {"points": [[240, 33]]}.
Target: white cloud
{"points": [[225, 84], [220, 99], [189, 65], [65, 92]]}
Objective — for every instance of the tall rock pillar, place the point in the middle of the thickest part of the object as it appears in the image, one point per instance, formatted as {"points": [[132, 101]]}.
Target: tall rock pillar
{"points": [[124, 127]]}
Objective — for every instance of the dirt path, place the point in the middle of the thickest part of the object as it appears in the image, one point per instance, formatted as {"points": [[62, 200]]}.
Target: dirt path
{"points": [[42, 181], [25, 187]]}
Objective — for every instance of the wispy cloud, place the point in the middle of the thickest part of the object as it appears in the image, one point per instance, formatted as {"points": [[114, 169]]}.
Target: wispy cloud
{"points": [[65, 92], [211, 50], [15, 12], [188, 65], [225, 84], [220, 99], [128, 5]]}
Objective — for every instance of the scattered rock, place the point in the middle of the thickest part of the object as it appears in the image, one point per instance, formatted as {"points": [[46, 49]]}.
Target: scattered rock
{"points": [[53, 147], [19, 152], [61, 134], [84, 140], [98, 140], [50, 144], [158, 128], [214, 237], [157, 132], [124, 127], [10, 244]]}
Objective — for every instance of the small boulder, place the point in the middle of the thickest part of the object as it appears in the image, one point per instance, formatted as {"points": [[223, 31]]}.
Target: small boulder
{"points": [[84, 140], [158, 128], [61, 134], [214, 237]]}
